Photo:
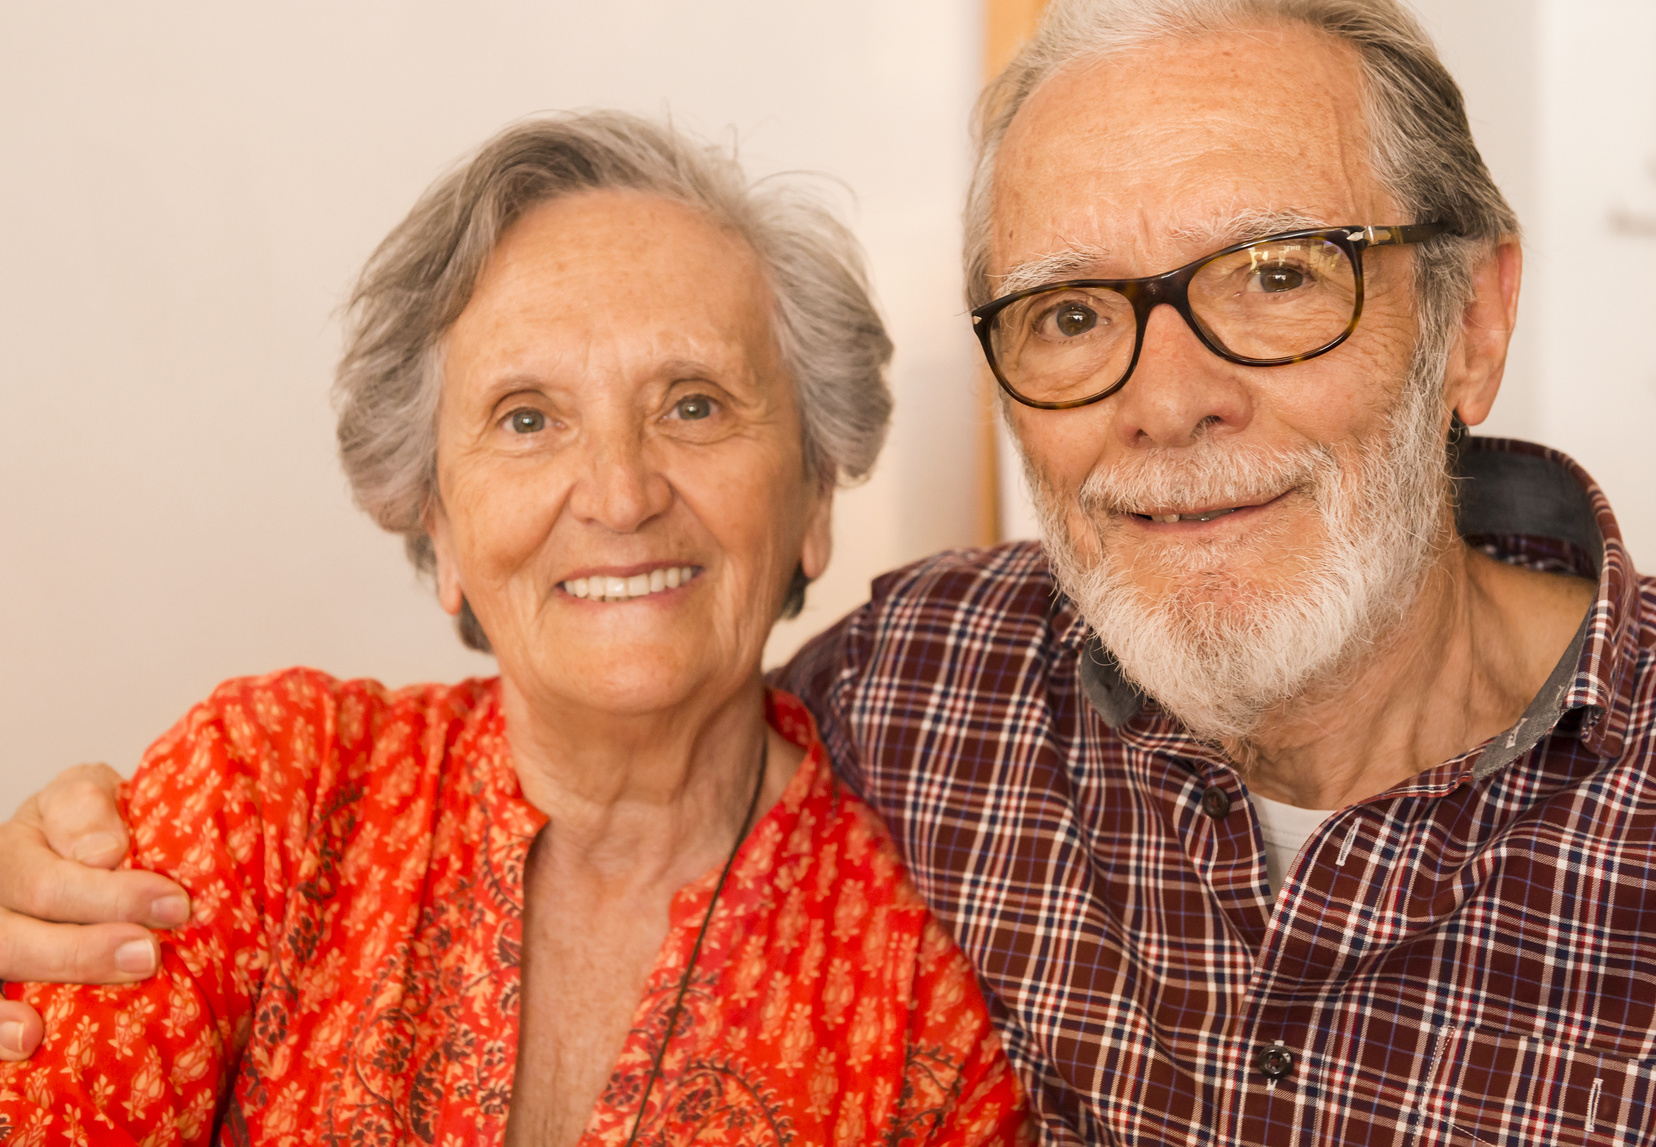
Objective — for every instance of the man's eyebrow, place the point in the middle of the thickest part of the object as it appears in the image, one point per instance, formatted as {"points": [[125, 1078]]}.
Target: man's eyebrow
{"points": [[1053, 267], [1212, 234], [1244, 226]]}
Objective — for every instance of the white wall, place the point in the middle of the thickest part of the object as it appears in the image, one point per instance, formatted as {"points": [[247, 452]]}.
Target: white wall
{"points": [[1592, 285], [1562, 98], [188, 189]]}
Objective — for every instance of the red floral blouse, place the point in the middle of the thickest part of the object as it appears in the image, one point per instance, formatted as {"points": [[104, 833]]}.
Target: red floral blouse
{"points": [[351, 972]]}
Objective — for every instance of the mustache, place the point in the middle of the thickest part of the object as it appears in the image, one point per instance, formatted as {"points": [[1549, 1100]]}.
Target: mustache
{"points": [[1204, 475]]}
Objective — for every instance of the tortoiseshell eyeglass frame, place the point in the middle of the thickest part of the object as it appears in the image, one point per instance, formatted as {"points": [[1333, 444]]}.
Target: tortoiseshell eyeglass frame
{"points": [[1172, 289]]}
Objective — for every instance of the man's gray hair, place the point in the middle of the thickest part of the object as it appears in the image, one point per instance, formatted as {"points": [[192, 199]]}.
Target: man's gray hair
{"points": [[1419, 141], [417, 282]]}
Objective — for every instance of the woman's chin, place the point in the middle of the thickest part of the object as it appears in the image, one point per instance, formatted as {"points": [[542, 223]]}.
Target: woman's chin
{"points": [[626, 679]]}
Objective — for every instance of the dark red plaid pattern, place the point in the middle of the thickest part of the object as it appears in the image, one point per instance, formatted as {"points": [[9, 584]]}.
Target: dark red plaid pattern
{"points": [[1468, 958]]}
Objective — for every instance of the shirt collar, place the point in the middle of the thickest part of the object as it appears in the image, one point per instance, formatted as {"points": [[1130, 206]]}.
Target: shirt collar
{"points": [[1534, 505]]}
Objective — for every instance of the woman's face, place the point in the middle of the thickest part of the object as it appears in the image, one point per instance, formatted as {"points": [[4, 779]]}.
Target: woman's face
{"points": [[623, 492]]}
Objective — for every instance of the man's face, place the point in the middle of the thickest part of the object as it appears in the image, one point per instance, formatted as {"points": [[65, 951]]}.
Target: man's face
{"points": [[1141, 164]]}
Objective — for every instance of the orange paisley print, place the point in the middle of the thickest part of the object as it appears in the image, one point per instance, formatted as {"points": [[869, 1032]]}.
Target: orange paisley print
{"points": [[351, 974]]}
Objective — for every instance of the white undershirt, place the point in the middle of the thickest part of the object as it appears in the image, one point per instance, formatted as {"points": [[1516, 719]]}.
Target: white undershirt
{"points": [[1285, 828]]}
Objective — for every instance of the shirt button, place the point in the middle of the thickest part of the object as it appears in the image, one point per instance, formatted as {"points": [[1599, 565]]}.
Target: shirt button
{"points": [[1216, 802], [1274, 1062]]}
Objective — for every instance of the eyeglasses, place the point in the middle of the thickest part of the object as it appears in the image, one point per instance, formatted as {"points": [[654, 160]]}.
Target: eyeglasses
{"points": [[1266, 302]]}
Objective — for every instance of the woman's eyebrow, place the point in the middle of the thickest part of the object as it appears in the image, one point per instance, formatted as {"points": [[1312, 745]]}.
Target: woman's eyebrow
{"points": [[678, 368], [567, 376]]}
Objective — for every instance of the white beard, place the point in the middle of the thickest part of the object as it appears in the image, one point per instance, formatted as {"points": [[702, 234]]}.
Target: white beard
{"points": [[1218, 651]]}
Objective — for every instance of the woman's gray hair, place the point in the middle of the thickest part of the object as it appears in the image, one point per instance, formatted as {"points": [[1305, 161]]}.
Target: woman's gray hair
{"points": [[421, 277], [1420, 143]]}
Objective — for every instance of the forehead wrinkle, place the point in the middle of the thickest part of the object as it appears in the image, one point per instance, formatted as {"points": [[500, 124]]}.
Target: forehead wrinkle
{"points": [[1149, 148]]}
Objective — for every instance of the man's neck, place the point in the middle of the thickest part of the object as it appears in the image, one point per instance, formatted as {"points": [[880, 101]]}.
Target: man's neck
{"points": [[1462, 665]]}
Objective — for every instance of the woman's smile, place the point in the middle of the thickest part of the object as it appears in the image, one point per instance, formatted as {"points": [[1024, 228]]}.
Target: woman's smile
{"points": [[628, 585]]}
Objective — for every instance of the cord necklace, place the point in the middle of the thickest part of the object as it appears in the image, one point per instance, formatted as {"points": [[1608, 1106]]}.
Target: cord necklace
{"points": [[695, 950]]}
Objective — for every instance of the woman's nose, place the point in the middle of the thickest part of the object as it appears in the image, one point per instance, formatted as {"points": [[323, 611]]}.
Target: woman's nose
{"points": [[618, 488], [1180, 391]]}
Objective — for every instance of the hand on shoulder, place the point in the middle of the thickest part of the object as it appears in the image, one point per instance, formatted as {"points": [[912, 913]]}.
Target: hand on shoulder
{"points": [[68, 913]]}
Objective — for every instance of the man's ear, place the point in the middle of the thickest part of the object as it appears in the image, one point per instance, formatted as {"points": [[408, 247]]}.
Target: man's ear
{"points": [[450, 593], [819, 534], [1478, 359]]}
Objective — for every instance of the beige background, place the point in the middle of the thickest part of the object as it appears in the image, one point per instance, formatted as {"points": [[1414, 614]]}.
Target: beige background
{"points": [[188, 188]]}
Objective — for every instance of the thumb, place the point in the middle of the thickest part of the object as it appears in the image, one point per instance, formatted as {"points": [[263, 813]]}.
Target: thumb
{"points": [[20, 1031], [80, 817]]}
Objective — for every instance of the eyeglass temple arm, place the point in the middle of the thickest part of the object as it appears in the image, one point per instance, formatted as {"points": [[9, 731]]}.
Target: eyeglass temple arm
{"points": [[1399, 236]]}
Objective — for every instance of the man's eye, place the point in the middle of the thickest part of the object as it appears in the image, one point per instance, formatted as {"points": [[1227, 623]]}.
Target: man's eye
{"points": [[1275, 280], [693, 408], [1075, 320], [527, 421], [1071, 320]]}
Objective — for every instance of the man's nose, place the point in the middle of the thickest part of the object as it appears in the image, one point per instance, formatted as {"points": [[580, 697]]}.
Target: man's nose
{"points": [[1180, 391], [618, 487]]}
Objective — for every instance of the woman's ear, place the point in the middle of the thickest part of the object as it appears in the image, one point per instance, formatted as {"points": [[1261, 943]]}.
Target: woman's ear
{"points": [[1473, 374], [819, 534], [451, 595]]}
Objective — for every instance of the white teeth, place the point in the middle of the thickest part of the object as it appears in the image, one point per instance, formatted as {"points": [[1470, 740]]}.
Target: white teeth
{"points": [[1208, 516], [628, 588]]}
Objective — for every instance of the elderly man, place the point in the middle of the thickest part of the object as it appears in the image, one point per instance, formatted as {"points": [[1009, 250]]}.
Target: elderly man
{"points": [[1312, 803]]}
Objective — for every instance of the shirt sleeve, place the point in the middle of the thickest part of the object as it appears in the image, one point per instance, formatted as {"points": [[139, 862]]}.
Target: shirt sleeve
{"points": [[220, 804], [964, 1092]]}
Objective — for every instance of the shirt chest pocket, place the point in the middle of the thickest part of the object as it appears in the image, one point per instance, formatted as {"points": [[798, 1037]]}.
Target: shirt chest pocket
{"points": [[1517, 1091]]}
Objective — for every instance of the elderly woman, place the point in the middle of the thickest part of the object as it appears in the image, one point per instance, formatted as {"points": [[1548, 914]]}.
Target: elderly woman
{"points": [[604, 390]]}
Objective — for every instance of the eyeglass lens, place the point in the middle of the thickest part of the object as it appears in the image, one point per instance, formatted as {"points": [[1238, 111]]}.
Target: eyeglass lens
{"points": [[1277, 299]]}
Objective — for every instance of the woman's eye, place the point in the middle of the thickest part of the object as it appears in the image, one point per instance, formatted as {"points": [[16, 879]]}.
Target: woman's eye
{"points": [[526, 421], [1275, 280], [694, 408]]}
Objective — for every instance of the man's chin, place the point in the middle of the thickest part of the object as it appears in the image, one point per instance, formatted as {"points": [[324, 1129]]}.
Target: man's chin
{"points": [[1230, 578], [1201, 662]]}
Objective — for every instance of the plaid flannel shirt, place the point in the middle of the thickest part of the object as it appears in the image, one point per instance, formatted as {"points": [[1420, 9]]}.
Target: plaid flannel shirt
{"points": [[1466, 958]]}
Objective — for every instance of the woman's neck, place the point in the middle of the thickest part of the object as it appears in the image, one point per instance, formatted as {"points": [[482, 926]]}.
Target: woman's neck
{"points": [[641, 798]]}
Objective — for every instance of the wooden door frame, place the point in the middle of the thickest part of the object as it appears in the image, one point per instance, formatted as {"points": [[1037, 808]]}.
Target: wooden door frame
{"points": [[1006, 25]]}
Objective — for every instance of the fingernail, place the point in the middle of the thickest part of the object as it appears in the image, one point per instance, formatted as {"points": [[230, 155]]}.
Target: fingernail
{"points": [[170, 911], [97, 846], [136, 958], [11, 1037]]}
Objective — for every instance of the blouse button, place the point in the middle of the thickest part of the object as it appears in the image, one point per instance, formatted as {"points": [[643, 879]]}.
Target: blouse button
{"points": [[1274, 1062], [1216, 802]]}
